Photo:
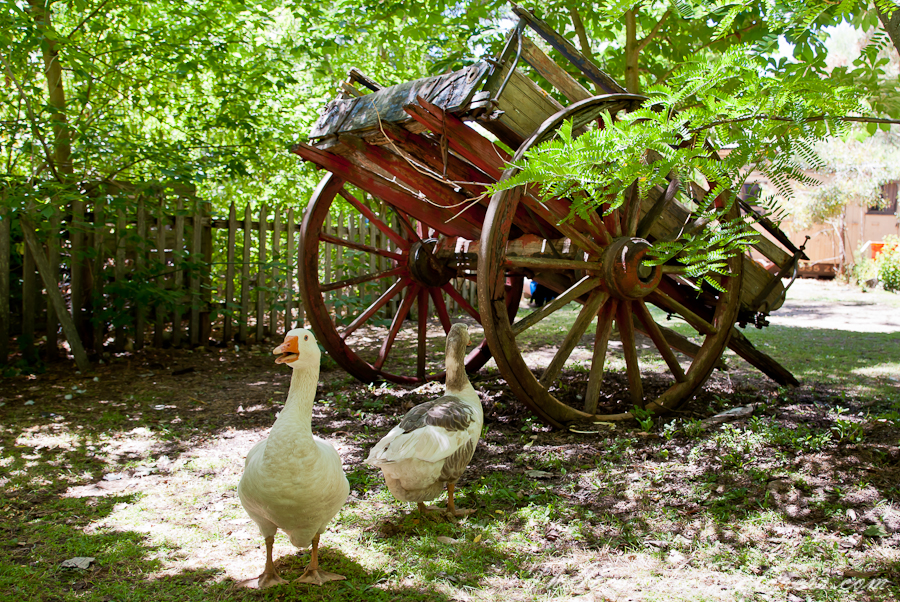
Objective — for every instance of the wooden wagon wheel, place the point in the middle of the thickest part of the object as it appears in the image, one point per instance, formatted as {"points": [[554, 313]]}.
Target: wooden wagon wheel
{"points": [[414, 278], [614, 287]]}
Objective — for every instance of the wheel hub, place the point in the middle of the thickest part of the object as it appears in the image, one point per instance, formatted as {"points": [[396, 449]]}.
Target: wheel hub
{"points": [[627, 277], [425, 268]]}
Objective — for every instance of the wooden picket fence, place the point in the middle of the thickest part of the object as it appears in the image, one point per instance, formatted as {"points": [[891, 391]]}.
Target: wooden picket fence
{"points": [[161, 271]]}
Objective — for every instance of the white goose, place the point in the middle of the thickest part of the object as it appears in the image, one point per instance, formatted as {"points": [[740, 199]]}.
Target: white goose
{"points": [[292, 480], [436, 440]]}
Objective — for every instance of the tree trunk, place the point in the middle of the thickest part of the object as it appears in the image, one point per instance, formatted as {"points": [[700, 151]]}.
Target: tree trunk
{"points": [[62, 153], [891, 24], [632, 53]]}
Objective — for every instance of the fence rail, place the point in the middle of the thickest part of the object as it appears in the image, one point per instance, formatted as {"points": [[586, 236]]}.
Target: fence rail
{"points": [[162, 271]]}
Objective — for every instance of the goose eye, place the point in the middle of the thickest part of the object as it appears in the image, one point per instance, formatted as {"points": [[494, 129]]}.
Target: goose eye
{"points": [[306, 337]]}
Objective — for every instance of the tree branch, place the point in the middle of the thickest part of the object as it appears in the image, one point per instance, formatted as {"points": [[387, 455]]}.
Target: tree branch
{"points": [[649, 37], [806, 120], [583, 40]]}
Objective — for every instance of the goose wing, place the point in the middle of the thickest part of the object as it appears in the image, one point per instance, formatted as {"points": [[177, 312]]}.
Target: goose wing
{"points": [[430, 432]]}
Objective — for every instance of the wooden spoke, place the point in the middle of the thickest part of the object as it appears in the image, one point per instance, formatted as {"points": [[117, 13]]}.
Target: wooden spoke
{"points": [[668, 303], [376, 221], [672, 269], [646, 223], [422, 310], [374, 307], [601, 344], [362, 279], [629, 348], [411, 232], [653, 331], [399, 317], [577, 330], [550, 213], [632, 210], [541, 263], [359, 246], [581, 287], [601, 228], [441, 307], [457, 296]]}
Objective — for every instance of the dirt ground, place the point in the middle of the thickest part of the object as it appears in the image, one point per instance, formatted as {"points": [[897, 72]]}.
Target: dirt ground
{"points": [[164, 420]]}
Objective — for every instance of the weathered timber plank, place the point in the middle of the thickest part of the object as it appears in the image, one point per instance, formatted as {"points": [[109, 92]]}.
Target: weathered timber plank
{"points": [[119, 272], [245, 277], [388, 191], [178, 260], [197, 273], [572, 54], [99, 330], [525, 107], [768, 366], [451, 92], [465, 141], [442, 203], [289, 273], [52, 287], [140, 259], [276, 258], [227, 314], [261, 278], [160, 313], [553, 73], [29, 305], [5, 245]]}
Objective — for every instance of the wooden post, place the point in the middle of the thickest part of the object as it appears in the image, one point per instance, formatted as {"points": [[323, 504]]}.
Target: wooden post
{"points": [[339, 265], [160, 316], [29, 297], [99, 229], [261, 278], [301, 312], [245, 278], [196, 274], [120, 238], [52, 287], [276, 257], [140, 253], [206, 248], [178, 261], [78, 265], [289, 273], [228, 318], [326, 277], [5, 234], [53, 261]]}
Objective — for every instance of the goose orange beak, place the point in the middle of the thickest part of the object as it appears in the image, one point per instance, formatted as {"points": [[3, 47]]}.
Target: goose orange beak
{"points": [[287, 351]]}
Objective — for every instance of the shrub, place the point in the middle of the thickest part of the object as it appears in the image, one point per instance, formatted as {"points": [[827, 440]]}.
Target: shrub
{"points": [[889, 263]]}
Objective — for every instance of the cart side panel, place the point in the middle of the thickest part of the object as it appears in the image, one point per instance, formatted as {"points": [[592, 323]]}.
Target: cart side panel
{"points": [[524, 105], [450, 92]]}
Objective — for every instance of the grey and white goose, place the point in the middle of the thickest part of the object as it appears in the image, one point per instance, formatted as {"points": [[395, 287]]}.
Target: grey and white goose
{"points": [[435, 441]]}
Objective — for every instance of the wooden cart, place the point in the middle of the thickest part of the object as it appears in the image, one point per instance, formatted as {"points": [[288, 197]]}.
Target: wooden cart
{"points": [[424, 149]]}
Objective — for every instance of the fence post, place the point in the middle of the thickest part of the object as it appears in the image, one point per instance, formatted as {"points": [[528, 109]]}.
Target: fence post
{"points": [[276, 257], [196, 273], [99, 229], [120, 239], [160, 316], [261, 278], [301, 310], [228, 325], [5, 234], [53, 263], [139, 261], [54, 295], [289, 273], [78, 265], [178, 260], [245, 277], [206, 246], [29, 306]]}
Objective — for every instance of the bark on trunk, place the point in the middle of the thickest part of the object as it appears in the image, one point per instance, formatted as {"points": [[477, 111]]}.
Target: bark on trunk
{"points": [[632, 79]]}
